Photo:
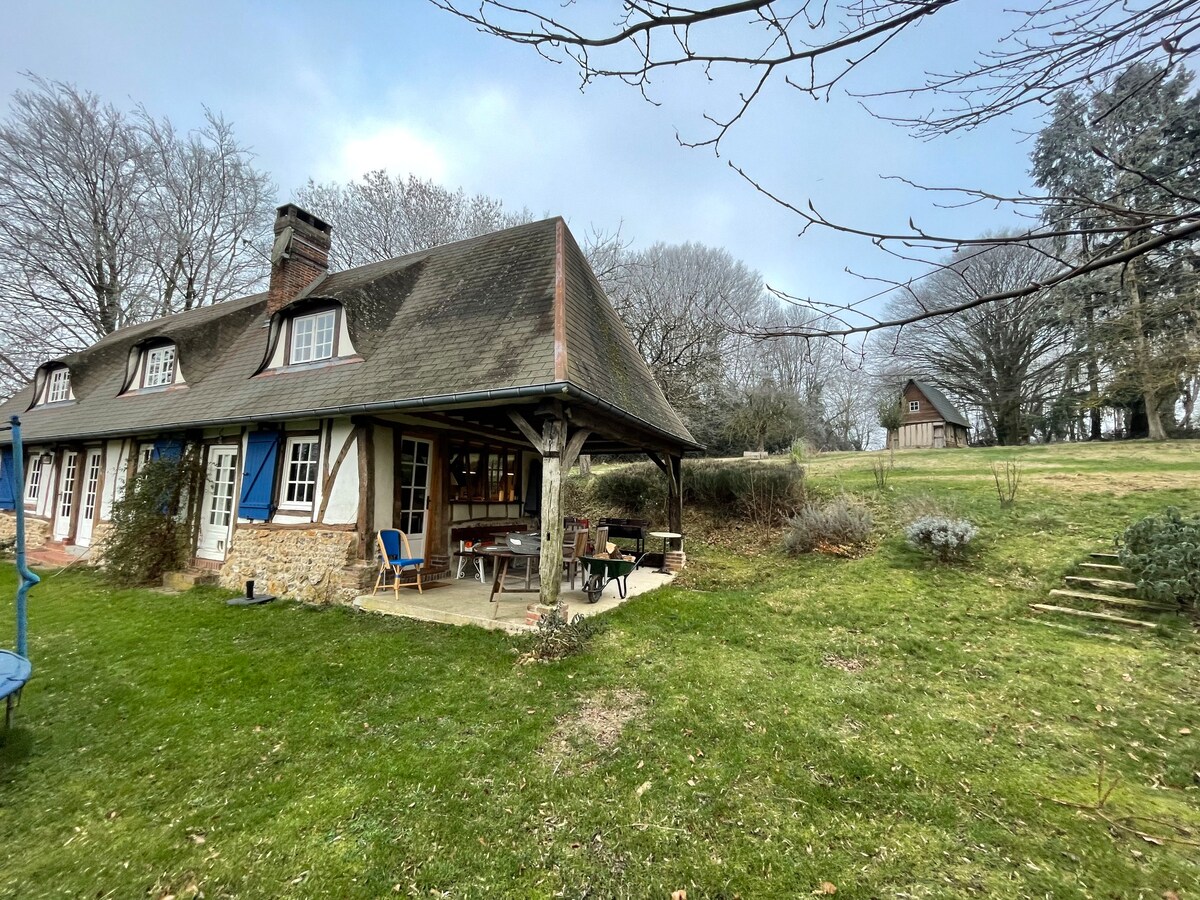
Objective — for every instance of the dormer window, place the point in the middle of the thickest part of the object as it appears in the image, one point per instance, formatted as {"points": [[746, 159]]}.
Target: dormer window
{"points": [[58, 385], [158, 369], [313, 337]]}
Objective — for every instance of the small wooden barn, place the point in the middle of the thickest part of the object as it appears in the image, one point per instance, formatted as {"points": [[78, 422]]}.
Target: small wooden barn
{"points": [[929, 420]]}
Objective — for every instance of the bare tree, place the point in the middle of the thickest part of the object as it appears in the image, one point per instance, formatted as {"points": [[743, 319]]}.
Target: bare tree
{"points": [[210, 211], [108, 219], [678, 300], [380, 217], [1026, 58]]}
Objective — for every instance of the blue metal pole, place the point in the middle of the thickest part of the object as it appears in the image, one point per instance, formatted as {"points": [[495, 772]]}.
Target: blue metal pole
{"points": [[28, 579]]}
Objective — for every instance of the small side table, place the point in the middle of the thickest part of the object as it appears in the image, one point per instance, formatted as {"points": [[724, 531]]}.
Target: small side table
{"points": [[666, 536]]}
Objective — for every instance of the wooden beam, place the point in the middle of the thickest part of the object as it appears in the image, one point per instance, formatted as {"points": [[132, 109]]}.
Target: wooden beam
{"points": [[366, 489], [528, 430], [574, 446], [467, 426], [675, 496], [658, 461], [554, 441]]}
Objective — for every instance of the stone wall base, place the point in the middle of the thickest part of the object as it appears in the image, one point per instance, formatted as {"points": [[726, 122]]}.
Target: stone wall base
{"points": [[37, 530], [311, 564]]}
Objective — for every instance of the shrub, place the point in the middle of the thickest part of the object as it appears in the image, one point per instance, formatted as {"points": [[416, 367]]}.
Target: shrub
{"points": [[1006, 490], [837, 527], [153, 522], [637, 489], [557, 638], [1162, 554], [764, 493], [946, 540]]}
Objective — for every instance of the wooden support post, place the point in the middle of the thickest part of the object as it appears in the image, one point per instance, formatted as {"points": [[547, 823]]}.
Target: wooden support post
{"points": [[554, 445], [675, 495], [366, 490]]}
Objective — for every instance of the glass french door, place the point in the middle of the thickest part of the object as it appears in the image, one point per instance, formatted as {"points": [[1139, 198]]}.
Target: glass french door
{"points": [[91, 500], [414, 491], [65, 501], [217, 513]]}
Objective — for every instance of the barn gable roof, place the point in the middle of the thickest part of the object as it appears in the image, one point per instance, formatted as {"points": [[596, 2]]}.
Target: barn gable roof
{"points": [[503, 314], [940, 402]]}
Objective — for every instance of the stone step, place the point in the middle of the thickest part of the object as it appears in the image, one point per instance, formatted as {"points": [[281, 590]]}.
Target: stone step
{"points": [[1087, 614], [1103, 584], [1105, 568], [185, 581], [1111, 601]]}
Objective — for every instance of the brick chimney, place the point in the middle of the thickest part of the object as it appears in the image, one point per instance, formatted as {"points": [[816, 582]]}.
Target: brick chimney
{"points": [[299, 257]]}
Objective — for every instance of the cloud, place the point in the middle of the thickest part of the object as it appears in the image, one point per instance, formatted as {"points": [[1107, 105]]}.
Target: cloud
{"points": [[397, 146]]}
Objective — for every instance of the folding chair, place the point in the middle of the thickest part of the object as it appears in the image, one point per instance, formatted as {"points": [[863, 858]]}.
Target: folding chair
{"points": [[395, 555]]}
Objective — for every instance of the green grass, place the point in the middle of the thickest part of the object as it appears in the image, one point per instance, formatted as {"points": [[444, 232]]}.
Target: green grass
{"points": [[170, 744]]}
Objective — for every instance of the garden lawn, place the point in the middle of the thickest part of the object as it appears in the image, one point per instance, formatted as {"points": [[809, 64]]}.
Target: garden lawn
{"points": [[765, 727]]}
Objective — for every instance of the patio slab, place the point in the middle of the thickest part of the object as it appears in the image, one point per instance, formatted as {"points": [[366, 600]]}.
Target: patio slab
{"points": [[464, 601]]}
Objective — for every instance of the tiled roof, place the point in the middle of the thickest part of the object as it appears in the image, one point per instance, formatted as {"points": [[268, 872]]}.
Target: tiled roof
{"points": [[463, 319]]}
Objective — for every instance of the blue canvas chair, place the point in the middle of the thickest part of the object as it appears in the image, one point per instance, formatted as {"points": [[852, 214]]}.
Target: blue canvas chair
{"points": [[395, 555]]}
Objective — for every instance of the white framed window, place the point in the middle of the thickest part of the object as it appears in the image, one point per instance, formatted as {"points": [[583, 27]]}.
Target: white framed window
{"points": [[33, 483], [59, 388], [312, 337], [158, 367], [914, 405], [299, 485], [145, 453]]}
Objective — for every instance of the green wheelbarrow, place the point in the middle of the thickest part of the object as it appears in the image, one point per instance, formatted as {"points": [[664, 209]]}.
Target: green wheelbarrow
{"points": [[599, 572]]}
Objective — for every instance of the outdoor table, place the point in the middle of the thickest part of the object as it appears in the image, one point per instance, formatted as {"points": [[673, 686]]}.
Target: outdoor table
{"points": [[502, 558], [666, 536]]}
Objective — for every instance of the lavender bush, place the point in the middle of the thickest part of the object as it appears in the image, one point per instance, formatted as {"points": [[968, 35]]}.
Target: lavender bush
{"points": [[944, 539]]}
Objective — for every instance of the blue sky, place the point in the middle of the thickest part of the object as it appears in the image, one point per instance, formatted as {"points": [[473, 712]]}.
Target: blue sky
{"points": [[331, 90]]}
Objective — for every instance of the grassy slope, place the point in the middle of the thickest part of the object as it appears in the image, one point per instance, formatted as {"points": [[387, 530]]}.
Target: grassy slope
{"points": [[171, 742]]}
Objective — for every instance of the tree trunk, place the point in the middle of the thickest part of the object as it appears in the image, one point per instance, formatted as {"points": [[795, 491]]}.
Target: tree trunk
{"points": [[1141, 347], [1093, 376], [585, 464], [554, 442]]}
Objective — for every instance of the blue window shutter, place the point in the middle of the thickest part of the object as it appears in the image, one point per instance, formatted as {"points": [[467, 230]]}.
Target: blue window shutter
{"points": [[8, 484], [258, 477], [167, 449]]}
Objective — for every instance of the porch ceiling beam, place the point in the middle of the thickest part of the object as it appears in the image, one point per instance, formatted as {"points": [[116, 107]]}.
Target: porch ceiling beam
{"points": [[659, 461], [470, 427], [615, 431]]}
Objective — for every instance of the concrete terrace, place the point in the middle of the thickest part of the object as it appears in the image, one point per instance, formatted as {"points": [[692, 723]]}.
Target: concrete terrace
{"points": [[464, 601]]}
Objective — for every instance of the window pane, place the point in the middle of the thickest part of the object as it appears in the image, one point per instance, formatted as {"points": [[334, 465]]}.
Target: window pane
{"points": [[160, 366]]}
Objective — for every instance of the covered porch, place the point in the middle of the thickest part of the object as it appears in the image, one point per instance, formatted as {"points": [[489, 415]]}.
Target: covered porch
{"points": [[464, 601]]}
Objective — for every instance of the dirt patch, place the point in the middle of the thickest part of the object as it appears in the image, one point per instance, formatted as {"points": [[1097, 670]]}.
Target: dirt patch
{"points": [[599, 720], [848, 664]]}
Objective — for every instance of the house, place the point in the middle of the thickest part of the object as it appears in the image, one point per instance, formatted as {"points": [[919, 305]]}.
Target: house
{"points": [[928, 420], [441, 389]]}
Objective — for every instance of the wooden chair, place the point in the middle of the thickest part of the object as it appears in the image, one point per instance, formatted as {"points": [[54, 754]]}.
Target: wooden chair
{"points": [[395, 555], [574, 549]]}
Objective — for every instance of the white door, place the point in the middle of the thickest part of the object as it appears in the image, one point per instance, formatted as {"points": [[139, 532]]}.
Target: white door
{"points": [[217, 514], [414, 492], [65, 500], [91, 487]]}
